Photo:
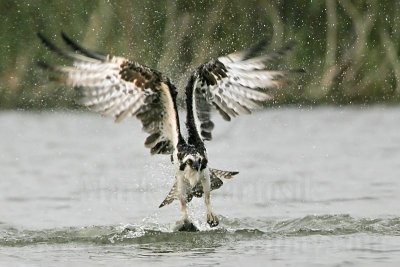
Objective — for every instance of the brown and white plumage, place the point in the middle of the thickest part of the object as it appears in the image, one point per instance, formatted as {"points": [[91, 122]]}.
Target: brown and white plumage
{"points": [[236, 84], [216, 182], [117, 87]]}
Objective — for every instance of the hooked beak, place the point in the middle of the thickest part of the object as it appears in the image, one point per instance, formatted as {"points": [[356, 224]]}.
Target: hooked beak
{"points": [[196, 166]]}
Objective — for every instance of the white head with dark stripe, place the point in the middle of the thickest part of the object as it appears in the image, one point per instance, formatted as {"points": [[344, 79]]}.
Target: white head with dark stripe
{"points": [[191, 158]]}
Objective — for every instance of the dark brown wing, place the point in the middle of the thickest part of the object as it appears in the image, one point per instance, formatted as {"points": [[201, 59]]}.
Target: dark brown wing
{"points": [[236, 84], [121, 88]]}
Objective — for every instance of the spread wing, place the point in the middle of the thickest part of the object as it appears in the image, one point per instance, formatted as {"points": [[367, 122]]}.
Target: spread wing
{"points": [[236, 84], [121, 88]]}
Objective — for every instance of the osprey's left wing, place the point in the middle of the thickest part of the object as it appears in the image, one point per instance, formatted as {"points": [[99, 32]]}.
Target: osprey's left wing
{"points": [[235, 84], [121, 88]]}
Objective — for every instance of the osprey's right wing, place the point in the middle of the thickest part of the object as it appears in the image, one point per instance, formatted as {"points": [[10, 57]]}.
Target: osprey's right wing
{"points": [[121, 88]]}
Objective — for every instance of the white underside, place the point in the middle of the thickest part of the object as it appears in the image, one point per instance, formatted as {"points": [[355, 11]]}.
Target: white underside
{"points": [[186, 180]]}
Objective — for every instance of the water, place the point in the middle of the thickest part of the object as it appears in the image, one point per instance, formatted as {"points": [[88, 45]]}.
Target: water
{"points": [[317, 186]]}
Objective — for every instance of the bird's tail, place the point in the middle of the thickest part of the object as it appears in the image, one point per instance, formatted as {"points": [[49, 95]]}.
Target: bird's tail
{"points": [[216, 182]]}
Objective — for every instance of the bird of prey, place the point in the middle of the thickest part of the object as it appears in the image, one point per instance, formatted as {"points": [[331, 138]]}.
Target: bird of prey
{"points": [[234, 84]]}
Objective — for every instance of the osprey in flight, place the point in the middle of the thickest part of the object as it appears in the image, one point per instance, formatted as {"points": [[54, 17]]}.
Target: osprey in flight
{"points": [[234, 84]]}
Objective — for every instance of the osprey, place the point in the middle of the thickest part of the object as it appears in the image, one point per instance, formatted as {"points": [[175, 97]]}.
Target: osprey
{"points": [[234, 84]]}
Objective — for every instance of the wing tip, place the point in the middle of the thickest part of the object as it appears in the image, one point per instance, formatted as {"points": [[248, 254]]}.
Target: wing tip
{"points": [[257, 47], [41, 36], [47, 43], [44, 65], [78, 48], [300, 71]]}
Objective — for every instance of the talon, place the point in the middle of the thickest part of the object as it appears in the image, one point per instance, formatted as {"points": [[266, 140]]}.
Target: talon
{"points": [[185, 225], [212, 220], [183, 221]]}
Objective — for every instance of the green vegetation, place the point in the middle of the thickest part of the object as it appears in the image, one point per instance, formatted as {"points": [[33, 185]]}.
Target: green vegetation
{"points": [[349, 48]]}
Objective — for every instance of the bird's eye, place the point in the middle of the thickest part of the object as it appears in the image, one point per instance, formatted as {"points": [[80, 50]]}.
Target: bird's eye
{"points": [[182, 167], [204, 163], [189, 161]]}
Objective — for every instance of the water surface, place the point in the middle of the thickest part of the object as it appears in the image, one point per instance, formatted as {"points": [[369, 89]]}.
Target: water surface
{"points": [[317, 186]]}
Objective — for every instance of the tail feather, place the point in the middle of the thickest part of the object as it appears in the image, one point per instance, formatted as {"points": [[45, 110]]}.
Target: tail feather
{"points": [[223, 174], [216, 182], [171, 196]]}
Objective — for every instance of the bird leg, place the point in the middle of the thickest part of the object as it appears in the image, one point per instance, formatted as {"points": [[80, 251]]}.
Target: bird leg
{"points": [[182, 192], [185, 217], [212, 219], [184, 224]]}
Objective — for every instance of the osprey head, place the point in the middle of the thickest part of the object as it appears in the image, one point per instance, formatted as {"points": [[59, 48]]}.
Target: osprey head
{"points": [[193, 159]]}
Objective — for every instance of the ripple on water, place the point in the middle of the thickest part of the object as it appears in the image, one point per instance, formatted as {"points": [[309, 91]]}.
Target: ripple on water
{"points": [[231, 229]]}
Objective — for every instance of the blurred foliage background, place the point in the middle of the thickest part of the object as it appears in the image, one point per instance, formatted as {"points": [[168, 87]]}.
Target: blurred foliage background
{"points": [[349, 48]]}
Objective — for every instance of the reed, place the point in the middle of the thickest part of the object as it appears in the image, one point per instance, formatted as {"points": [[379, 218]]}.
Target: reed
{"points": [[349, 48]]}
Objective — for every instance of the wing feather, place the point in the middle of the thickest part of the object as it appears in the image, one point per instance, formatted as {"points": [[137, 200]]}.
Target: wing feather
{"points": [[121, 88], [237, 84]]}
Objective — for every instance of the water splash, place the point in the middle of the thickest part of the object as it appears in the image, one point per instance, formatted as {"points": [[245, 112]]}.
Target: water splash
{"points": [[154, 234]]}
